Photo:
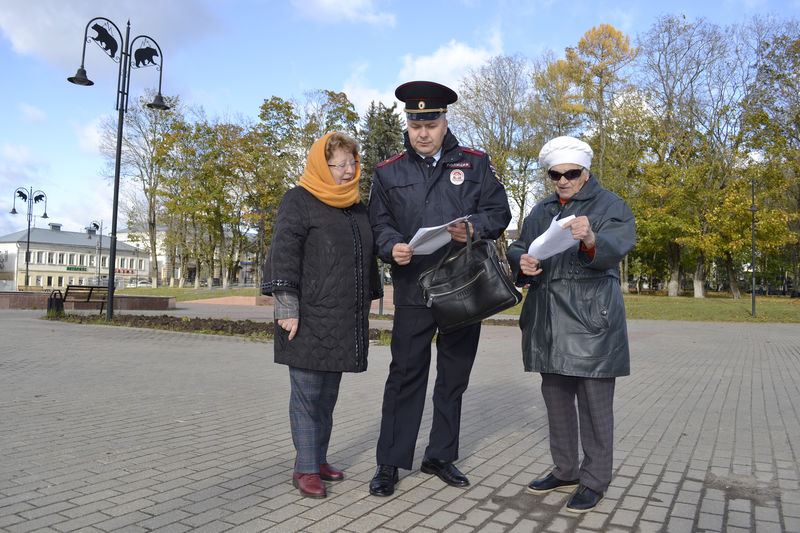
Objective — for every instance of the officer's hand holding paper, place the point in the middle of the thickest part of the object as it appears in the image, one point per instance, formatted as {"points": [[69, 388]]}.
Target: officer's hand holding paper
{"points": [[553, 241], [427, 240]]}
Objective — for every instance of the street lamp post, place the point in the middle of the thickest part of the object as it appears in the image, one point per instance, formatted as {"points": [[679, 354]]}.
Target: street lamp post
{"points": [[143, 56], [753, 235], [30, 197], [99, 251]]}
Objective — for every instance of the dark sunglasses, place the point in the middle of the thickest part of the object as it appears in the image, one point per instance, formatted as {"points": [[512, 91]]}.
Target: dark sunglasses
{"points": [[571, 174]]}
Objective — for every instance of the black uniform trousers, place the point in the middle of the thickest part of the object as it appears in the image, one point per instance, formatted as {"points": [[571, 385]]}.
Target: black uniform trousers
{"points": [[404, 394]]}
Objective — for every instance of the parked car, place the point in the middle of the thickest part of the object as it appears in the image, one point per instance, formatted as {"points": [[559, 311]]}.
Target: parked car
{"points": [[144, 283]]}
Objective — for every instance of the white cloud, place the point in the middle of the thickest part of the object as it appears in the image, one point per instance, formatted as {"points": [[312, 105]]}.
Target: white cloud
{"points": [[344, 10], [17, 156], [89, 136], [361, 94], [625, 20], [31, 113], [446, 65], [449, 63]]}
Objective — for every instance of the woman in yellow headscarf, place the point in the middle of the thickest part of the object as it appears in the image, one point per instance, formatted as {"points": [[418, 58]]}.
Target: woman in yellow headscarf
{"points": [[323, 275]]}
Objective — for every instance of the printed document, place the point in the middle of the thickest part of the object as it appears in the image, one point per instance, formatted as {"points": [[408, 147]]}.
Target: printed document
{"points": [[553, 241], [427, 240]]}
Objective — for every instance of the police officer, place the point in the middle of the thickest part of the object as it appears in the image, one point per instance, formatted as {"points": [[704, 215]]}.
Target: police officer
{"points": [[431, 183]]}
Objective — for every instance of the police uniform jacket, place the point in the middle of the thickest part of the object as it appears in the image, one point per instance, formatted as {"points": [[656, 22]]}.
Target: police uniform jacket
{"points": [[573, 317], [404, 199], [325, 256]]}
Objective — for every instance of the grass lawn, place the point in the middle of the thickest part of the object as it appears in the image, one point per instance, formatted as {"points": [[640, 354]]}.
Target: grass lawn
{"points": [[713, 308], [189, 293]]}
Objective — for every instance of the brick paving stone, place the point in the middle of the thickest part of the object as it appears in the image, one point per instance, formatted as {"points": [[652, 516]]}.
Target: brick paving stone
{"points": [[792, 524], [653, 513], [173, 528], [680, 525], [493, 527], [767, 514], [740, 505], [649, 527], [737, 519], [594, 520], [624, 517], [440, 520], [254, 526], [768, 527], [329, 524], [476, 517], [405, 521], [458, 528]]}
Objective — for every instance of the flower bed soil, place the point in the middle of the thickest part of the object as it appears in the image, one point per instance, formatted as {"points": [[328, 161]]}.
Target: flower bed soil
{"points": [[219, 326]]}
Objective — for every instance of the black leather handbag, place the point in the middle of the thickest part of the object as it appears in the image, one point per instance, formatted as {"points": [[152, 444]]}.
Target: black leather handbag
{"points": [[468, 285]]}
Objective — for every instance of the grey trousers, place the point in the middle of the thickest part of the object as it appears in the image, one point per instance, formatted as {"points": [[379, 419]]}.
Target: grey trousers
{"points": [[593, 420], [311, 401]]}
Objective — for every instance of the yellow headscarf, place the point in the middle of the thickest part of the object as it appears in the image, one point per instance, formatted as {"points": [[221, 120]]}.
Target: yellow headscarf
{"points": [[318, 180]]}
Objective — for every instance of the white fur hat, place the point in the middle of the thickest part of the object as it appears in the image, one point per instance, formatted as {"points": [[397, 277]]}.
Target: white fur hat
{"points": [[565, 150]]}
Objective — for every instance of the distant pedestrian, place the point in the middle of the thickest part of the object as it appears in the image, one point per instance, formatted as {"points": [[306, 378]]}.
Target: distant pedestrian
{"points": [[573, 320], [322, 272]]}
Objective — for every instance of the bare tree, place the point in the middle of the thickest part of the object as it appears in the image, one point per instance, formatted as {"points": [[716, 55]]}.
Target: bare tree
{"points": [[143, 155]]}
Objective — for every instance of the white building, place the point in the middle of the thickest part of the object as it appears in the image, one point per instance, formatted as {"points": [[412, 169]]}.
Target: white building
{"points": [[60, 258]]}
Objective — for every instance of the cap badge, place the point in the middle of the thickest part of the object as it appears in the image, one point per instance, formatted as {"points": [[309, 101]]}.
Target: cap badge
{"points": [[421, 104], [457, 177]]}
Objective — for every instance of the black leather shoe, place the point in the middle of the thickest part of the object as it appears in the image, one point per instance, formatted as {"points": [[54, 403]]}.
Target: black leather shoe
{"points": [[584, 500], [550, 483], [384, 480], [445, 471]]}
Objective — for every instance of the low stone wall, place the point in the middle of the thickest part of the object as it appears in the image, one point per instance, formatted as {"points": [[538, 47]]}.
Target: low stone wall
{"points": [[127, 302], [264, 300]]}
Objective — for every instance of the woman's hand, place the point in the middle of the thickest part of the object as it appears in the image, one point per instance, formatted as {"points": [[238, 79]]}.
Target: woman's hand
{"points": [[290, 325], [581, 230], [529, 265]]}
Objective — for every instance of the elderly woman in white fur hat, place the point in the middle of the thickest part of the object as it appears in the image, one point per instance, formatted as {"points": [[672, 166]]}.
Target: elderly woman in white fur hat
{"points": [[573, 320]]}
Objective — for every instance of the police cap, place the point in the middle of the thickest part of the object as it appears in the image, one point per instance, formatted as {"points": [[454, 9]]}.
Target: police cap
{"points": [[425, 100]]}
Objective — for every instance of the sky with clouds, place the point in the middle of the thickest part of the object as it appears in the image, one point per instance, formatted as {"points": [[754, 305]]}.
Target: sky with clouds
{"points": [[227, 56]]}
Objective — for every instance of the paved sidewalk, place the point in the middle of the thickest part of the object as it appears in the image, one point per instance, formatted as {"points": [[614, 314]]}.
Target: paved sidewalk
{"points": [[118, 429]]}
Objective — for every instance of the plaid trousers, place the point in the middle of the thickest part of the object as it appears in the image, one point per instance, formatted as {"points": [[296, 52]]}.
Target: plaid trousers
{"points": [[311, 401], [595, 411]]}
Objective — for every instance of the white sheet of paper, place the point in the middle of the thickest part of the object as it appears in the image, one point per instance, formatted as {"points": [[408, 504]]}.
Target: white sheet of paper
{"points": [[553, 241], [427, 240]]}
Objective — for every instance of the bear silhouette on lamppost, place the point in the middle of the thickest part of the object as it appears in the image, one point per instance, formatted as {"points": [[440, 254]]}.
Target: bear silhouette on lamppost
{"points": [[144, 56]]}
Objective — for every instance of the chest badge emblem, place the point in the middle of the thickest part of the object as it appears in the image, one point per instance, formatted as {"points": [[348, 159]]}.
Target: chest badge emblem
{"points": [[457, 176]]}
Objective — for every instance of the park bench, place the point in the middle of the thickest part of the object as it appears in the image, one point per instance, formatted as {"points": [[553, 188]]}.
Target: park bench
{"points": [[87, 294]]}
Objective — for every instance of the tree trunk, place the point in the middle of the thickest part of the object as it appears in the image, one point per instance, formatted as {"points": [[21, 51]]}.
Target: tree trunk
{"points": [[796, 269], [674, 258], [732, 281], [153, 254], [698, 279], [623, 277]]}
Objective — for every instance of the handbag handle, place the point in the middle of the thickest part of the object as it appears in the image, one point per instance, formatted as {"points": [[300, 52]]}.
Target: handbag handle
{"points": [[450, 246]]}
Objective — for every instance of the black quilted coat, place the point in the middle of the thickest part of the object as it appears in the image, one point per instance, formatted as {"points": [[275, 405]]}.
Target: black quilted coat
{"points": [[324, 255]]}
